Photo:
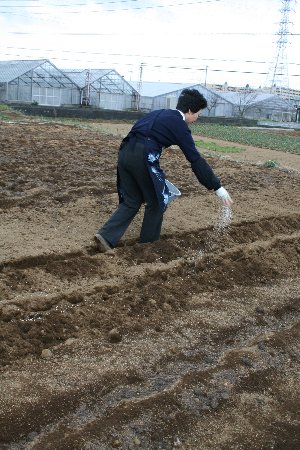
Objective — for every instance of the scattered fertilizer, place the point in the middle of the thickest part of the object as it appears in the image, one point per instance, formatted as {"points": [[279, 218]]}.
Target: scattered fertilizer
{"points": [[218, 231], [223, 222]]}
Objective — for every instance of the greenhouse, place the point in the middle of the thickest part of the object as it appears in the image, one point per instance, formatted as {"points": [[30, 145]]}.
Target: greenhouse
{"points": [[36, 82], [40, 82], [103, 88]]}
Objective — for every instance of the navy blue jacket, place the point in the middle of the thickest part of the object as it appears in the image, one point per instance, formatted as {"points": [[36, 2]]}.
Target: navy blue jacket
{"points": [[163, 128]]}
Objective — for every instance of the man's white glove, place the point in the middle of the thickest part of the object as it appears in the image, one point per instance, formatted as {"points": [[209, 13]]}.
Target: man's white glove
{"points": [[223, 194]]}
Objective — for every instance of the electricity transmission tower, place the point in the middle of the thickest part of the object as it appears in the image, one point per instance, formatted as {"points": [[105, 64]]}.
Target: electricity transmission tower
{"points": [[278, 77]]}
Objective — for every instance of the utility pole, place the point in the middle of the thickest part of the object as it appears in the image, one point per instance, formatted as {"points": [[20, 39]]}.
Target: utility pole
{"points": [[278, 78], [87, 89], [139, 87], [205, 75]]}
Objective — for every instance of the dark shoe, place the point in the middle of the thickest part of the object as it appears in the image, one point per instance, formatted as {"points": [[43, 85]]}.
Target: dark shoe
{"points": [[102, 244]]}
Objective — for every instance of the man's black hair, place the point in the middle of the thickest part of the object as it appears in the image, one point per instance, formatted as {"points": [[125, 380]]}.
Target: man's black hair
{"points": [[191, 99]]}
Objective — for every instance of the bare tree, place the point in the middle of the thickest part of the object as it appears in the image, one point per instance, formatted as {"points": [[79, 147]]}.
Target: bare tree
{"points": [[245, 101], [212, 101]]}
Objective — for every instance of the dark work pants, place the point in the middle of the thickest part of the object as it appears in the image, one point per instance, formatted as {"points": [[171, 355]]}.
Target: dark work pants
{"points": [[137, 188]]}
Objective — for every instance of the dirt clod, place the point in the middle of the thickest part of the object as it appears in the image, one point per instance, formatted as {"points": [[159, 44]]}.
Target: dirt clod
{"points": [[114, 335], [46, 353]]}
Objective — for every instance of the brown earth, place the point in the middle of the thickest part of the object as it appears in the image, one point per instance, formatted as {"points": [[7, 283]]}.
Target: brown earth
{"points": [[192, 342]]}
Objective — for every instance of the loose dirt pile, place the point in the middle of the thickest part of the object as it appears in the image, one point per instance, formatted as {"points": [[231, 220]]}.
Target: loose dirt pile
{"points": [[192, 342]]}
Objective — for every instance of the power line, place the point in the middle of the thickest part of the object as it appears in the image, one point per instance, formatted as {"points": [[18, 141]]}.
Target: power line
{"points": [[63, 5], [27, 33], [109, 10], [157, 66], [144, 56]]}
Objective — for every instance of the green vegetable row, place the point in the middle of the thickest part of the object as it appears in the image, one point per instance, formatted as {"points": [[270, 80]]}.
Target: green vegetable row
{"points": [[256, 138]]}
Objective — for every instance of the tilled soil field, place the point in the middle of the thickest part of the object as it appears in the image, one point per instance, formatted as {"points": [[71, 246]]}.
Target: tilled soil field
{"points": [[192, 342]]}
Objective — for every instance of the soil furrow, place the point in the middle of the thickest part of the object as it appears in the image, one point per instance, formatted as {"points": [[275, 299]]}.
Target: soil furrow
{"points": [[191, 342], [200, 389]]}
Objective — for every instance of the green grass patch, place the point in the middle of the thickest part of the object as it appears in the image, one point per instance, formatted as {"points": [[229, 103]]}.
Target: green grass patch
{"points": [[271, 163], [7, 113], [3, 111], [214, 147], [256, 138]]}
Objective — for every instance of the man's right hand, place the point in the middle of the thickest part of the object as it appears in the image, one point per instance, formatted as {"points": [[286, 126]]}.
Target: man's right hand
{"points": [[224, 196]]}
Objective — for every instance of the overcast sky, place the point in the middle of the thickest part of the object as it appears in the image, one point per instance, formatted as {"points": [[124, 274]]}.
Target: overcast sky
{"points": [[216, 41]]}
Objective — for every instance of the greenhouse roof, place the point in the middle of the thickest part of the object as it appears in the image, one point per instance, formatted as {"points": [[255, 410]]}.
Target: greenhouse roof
{"points": [[253, 97], [10, 70], [84, 76], [39, 72], [105, 80], [154, 88]]}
